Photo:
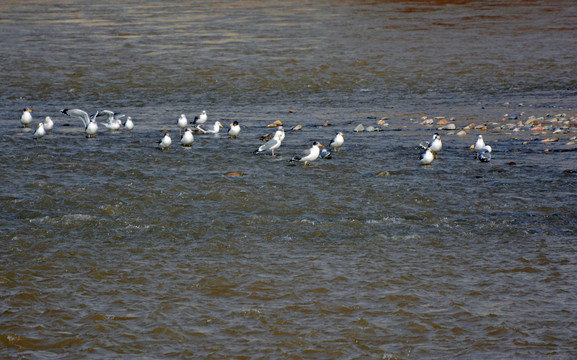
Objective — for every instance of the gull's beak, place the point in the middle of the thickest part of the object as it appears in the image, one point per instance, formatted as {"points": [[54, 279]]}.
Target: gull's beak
{"points": [[321, 145]]}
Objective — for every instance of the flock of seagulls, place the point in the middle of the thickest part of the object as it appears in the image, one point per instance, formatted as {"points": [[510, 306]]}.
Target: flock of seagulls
{"points": [[272, 141]]}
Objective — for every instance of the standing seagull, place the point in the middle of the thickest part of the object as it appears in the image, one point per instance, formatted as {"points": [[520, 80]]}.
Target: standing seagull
{"points": [[309, 155], [129, 125], [234, 129], [436, 145], [48, 123], [427, 157], [338, 141], [200, 119], [90, 125], [270, 145], [182, 122], [40, 132], [165, 141], [187, 138], [479, 144], [26, 117]]}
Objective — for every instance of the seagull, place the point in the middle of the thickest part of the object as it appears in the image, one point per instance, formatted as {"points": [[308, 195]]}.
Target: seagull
{"points": [[165, 141], [309, 155], [485, 154], [113, 123], [48, 123], [215, 129], [270, 145], [337, 142], [234, 129], [200, 119], [90, 125], [279, 130], [427, 157], [436, 145], [182, 122], [129, 125], [187, 138], [40, 132], [26, 117], [479, 144]]}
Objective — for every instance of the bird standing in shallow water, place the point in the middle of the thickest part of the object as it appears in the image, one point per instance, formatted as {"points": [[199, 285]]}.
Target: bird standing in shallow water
{"points": [[165, 142], [270, 145], [338, 141], [129, 125], [182, 122], [40, 132], [436, 145], [234, 129], [26, 117], [310, 154], [187, 138], [48, 123], [479, 144]]}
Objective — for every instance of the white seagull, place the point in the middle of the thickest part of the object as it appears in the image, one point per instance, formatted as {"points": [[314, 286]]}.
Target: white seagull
{"points": [[200, 119], [479, 144], [485, 154], [113, 123], [187, 138], [129, 125], [427, 157], [48, 123], [26, 117], [165, 142], [40, 132], [182, 122], [310, 154], [279, 131], [234, 129], [338, 141], [436, 145], [270, 145], [90, 125]]}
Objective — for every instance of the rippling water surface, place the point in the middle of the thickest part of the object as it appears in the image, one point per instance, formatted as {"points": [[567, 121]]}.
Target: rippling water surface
{"points": [[111, 248]]}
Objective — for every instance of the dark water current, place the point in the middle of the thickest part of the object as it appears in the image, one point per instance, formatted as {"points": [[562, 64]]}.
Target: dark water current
{"points": [[111, 248]]}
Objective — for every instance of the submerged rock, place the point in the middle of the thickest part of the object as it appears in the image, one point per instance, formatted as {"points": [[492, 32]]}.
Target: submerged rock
{"points": [[359, 128]]}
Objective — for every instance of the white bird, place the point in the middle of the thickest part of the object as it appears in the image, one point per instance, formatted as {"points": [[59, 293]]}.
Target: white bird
{"points": [[234, 129], [485, 154], [90, 125], [113, 123], [40, 132], [309, 155], [129, 125], [200, 119], [26, 117], [215, 129], [270, 145], [427, 157], [436, 145], [48, 123], [187, 138], [479, 144], [182, 122], [338, 141], [279, 131], [165, 142]]}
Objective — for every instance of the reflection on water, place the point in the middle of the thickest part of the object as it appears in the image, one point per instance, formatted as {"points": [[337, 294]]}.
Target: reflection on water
{"points": [[112, 248]]}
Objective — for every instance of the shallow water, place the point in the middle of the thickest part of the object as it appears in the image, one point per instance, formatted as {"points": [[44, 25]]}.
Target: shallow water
{"points": [[111, 248]]}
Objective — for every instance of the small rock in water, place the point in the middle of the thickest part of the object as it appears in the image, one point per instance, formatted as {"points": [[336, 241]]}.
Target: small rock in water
{"points": [[274, 124], [370, 128], [298, 127], [427, 122], [359, 128], [462, 133]]}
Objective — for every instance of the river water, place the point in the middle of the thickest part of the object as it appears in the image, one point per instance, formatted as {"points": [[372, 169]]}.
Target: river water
{"points": [[111, 248]]}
